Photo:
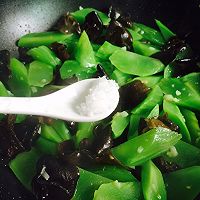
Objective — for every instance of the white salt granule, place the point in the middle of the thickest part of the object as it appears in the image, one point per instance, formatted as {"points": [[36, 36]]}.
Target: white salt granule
{"points": [[44, 173], [178, 93], [100, 98]]}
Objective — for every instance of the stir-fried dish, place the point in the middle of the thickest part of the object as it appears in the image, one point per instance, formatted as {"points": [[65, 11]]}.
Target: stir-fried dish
{"points": [[148, 148]]}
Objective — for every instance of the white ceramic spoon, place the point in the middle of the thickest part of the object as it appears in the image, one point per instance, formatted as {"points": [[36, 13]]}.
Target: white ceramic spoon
{"points": [[61, 104]]}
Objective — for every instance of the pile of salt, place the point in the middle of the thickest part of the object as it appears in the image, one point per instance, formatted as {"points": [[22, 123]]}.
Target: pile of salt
{"points": [[99, 100]]}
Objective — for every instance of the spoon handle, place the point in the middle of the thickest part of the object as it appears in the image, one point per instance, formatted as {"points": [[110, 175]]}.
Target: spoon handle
{"points": [[23, 105]]}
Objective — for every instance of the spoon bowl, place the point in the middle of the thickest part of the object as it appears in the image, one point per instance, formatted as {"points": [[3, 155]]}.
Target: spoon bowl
{"points": [[62, 104]]}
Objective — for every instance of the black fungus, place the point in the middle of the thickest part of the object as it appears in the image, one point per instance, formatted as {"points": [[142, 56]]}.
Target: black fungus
{"points": [[100, 72], [61, 51], [83, 158], [23, 56], [67, 24], [171, 125], [4, 66], [16, 138], [184, 66], [165, 166], [118, 35], [102, 141], [93, 26], [116, 14], [66, 148], [170, 50], [54, 179], [27, 131], [132, 94]]}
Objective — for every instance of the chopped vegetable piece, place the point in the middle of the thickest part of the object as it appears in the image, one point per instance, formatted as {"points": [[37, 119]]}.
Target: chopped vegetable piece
{"points": [[119, 122], [24, 166], [154, 113], [70, 68], [153, 98], [114, 172], [135, 35], [133, 128], [166, 32], [40, 74], [84, 52], [106, 50], [132, 63], [192, 80], [178, 92], [152, 182], [186, 155], [45, 55], [149, 34], [87, 184], [183, 184], [3, 90], [46, 146], [146, 146], [120, 77], [37, 39], [144, 49], [192, 125], [117, 191], [85, 130], [19, 79], [50, 133], [149, 81], [175, 115], [61, 129], [80, 15]]}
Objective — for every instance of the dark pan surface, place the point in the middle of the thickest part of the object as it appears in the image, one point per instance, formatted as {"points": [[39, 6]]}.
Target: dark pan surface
{"points": [[18, 17]]}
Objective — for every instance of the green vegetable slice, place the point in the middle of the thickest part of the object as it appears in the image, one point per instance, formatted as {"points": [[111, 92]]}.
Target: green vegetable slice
{"points": [[70, 68], [153, 98], [120, 77], [135, 64], [144, 48], [149, 81], [40, 74], [138, 150], [46, 146], [85, 130], [166, 32], [181, 94], [45, 38], [183, 184], [50, 133], [114, 172], [80, 15], [87, 184], [84, 52], [192, 125], [19, 79], [45, 55], [106, 50], [149, 34], [187, 155], [152, 182], [24, 166], [117, 191], [61, 129], [119, 123], [174, 114]]}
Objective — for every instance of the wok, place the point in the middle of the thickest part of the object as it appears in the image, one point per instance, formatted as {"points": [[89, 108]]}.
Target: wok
{"points": [[19, 17]]}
